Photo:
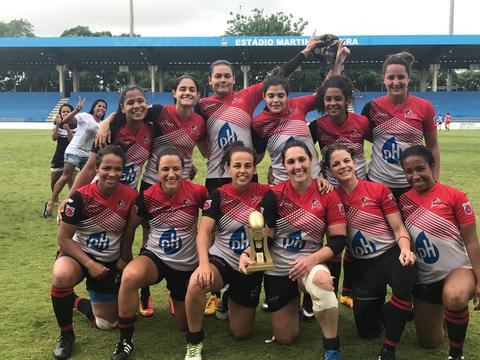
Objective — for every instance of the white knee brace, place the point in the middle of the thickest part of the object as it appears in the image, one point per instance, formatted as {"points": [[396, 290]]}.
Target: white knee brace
{"points": [[322, 299], [103, 324]]}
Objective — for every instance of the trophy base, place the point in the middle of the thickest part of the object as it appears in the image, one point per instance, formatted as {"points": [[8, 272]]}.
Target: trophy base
{"points": [[260, 267]]}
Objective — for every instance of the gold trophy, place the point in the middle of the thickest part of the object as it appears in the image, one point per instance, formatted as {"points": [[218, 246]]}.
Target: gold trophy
{"points": [[257, 237]]}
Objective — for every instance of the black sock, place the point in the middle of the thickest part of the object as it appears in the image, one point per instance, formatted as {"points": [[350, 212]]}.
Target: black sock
{"points": [[195, 337], [84, 306], [307, 302], [144, 294], [331, 344], [400, 310], [457, 323], [335, 266], [347, 275], [62, 301], [126, 326]]}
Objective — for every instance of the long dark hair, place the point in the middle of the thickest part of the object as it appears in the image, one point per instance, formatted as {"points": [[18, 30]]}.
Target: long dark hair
{"points": [[95, 104], [120, 119]]}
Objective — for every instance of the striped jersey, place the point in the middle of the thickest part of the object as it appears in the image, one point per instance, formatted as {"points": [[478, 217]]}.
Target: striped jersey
{"points": [[138, 145], [276, 130], [227, 120], [433, 220], [169, 129], [369, 234], [394, 129], [231, 210], [173, 223], [300, 222], [100, 219]]}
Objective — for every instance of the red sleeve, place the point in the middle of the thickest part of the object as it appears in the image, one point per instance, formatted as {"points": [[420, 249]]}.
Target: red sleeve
{"points": [[463, 209], [429, 124], [334, 208], [253, 96], [387, 201], [306, 103]]}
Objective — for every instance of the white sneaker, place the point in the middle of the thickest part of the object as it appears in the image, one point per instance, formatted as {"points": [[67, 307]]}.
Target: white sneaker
{"points": [[194, 352]]}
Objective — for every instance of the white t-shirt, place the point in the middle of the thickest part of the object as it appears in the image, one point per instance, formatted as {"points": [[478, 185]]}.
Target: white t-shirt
{"points": [[82, 141]]}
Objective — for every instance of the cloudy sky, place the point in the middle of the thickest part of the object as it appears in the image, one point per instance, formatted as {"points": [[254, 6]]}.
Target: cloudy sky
{"points": [[209, 17]]}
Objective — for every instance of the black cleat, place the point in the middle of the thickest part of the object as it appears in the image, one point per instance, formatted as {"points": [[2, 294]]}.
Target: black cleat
{"points": [[122, 350], [386, 354], [64, 347]]}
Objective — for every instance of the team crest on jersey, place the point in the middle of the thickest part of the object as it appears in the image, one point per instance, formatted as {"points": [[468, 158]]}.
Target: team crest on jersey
{"points": [[187, 201], [235, 99], [436, 202], [467, 208], [355, 134], [341, 209], [69, 210], [366, 201], [290, 111], [146, 139], [390, 200], [254, 198], [409, 114], [194, 129], [315, 203], [207, 204], [121, 204]]}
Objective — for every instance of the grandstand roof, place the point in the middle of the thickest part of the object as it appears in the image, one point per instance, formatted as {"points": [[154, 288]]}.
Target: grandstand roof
{"points": [[178, 53]]}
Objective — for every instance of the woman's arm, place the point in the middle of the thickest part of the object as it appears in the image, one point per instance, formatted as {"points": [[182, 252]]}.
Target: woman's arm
{"points": [[71, 248], [103, 133], [70, 117], [407, 257], [204, 274], [470, 238], [56, 129], [342, 54]]}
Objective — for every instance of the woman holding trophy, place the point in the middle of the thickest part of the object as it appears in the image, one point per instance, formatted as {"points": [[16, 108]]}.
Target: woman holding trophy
{"points": [[297, 216], [225, 215]]}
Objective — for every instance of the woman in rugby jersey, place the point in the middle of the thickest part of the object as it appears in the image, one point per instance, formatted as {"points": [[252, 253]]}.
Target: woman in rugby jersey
{"points": [[89, 237], [225, 215], [171, 209], [399, 120], [381, 250], [297, 216], [442, 224]]}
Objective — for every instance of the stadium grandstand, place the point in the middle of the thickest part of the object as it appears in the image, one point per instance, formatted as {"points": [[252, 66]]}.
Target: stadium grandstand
{"points": [[159, 55]]}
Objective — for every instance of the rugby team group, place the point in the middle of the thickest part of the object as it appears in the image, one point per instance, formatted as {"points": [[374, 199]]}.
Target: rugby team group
{"points": [[391, 223]]}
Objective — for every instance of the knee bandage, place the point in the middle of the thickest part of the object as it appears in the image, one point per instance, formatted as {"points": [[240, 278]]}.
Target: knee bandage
{"points": [[103, 324], [322, 299]]}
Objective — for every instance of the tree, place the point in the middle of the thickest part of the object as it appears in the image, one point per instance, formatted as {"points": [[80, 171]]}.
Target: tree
{"points": [[469, 80], [81, 31], [260, 24], [16, 28]]}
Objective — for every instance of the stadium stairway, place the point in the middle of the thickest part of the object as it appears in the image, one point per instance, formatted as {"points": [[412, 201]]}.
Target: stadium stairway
{"points": [[53, 114]]}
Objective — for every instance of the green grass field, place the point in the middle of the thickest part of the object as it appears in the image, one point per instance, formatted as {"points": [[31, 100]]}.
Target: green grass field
{"points": [[28, 328]]}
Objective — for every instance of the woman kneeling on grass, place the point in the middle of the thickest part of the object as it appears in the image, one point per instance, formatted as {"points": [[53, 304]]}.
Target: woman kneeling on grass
{"points": [[441, 221], [226, 214], [171, 209], [89, 237], [380, 246], [297, 217]]}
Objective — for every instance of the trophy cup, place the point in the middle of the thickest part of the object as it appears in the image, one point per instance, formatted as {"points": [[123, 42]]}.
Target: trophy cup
{"points": [[327, 50], [257, 238]]}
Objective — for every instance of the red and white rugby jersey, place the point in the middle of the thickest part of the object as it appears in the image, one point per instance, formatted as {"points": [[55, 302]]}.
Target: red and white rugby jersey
{"points": [[369, 234], [228, 119], [300, 221], [276, 130], [433, 220], [138, 146], [231, 210], [169, 129], [394, 129], [100, 220], [173, 223], [353, 132]]}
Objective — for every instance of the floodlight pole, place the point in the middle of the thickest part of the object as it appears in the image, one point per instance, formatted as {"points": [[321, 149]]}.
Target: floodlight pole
{"points": [[131, 18], [452, 14]]}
